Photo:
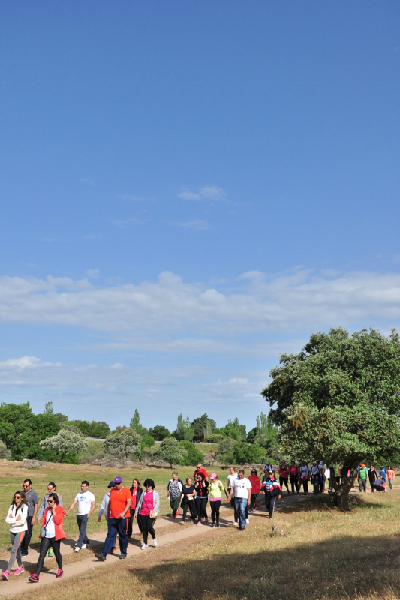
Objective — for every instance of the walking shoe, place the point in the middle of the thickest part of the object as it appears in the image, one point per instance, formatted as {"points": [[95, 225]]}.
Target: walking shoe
{"points": [[77, 549], [85, 546], [24, 554], [50, 553], [60, 573], [155, 543], [217, 525], [199, 524], [19, 571], [100, 556], [144, 547], [235, 524], [34, 578], [173, 517], [122, 556], [247, 522], [5, 575], [212, 525]]}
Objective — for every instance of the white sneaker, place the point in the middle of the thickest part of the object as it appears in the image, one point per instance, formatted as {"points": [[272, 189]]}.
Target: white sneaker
{"points": [[84, 546], [144, 547], [235, 524], [77, 549], [155, 543], [247, 521]]}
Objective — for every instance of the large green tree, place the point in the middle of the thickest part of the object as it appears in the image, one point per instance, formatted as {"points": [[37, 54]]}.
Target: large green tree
{"points": [[21, 430], [339, 400]]}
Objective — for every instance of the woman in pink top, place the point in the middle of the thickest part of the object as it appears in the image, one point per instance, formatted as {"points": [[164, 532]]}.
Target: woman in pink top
{"points": [[146, 512]]}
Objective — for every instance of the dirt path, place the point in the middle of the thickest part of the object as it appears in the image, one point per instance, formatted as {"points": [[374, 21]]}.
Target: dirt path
{"points": [[168, 531]]}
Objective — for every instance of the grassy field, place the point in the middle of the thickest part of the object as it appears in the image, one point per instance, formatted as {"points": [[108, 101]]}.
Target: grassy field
{"points": [[323, 554], [68, 479]]}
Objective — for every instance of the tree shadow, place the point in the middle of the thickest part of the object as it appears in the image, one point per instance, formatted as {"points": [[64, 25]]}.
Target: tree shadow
{"points": [[338, 568]]}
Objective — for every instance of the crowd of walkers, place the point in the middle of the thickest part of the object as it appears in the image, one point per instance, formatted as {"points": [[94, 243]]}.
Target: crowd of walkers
{"points": [[122, 506]]}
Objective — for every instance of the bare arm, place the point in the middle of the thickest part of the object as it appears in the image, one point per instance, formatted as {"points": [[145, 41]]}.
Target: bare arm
{"points": [[75, 502]]}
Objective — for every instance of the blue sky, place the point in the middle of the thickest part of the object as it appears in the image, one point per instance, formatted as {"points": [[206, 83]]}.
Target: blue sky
{"points": [[188, 190]]}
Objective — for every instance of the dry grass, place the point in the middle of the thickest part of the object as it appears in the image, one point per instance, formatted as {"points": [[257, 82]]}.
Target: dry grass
{"points": [[324, 555]]}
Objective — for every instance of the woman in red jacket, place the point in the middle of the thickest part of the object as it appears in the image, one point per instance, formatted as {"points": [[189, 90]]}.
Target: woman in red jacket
{"points": [[51, 534]]}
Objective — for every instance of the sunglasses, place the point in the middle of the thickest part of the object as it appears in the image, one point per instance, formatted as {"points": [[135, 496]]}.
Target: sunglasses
{"points": [[17, 497], [26, 485], [50, 501]]}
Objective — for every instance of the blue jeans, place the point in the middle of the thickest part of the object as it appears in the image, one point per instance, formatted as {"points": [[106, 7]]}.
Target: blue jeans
{"points": [[240, 506], [116, 526], [82, 523]]}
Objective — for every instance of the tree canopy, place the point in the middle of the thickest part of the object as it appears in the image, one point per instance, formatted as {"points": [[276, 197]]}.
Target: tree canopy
{"points": [[339, 398]]}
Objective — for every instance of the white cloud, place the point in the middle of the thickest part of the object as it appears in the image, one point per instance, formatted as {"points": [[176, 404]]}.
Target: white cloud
{"points": [[254, 304], [207, 192], [25, 362], [93, 273]]}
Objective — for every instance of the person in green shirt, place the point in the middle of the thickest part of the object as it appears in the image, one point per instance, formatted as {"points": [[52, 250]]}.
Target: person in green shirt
{"points": [[215, 496], [362, 476]]}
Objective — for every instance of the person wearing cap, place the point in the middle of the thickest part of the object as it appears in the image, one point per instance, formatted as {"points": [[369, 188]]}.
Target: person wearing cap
{"points": [[200, 469], [215, 496], [118, 512], [362, 476], [86, 505]]}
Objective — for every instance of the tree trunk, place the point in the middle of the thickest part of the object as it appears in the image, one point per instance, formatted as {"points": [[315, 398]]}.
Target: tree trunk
{"points": [[342, 490]]}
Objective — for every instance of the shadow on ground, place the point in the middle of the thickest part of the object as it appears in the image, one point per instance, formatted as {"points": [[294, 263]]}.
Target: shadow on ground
{"points": [[342, 568]]}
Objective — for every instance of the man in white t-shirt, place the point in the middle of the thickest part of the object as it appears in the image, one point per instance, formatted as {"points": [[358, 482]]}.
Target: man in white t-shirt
{"points": [[242, 492], [86, 505]]}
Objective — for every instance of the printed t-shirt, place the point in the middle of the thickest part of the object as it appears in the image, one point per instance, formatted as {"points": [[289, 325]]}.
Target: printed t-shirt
{"points": [[304, 471], [147, 504], [241, 487], [174, 488], [84, 500], [50, 527], [118, 500]]}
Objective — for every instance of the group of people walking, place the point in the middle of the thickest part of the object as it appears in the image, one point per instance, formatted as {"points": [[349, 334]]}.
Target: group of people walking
{"points": [[122, 506]]}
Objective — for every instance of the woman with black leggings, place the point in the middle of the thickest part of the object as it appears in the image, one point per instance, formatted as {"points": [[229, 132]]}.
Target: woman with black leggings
{"points": [[51, 534], [201, 489]]}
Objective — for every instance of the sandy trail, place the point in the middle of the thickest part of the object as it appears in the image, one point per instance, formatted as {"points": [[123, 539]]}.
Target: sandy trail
{"points": [[168, 531]]}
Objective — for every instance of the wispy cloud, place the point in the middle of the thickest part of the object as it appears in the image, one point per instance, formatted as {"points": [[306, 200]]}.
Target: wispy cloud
{"points": [[207, 192], [193, 224], [93, 273]]}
